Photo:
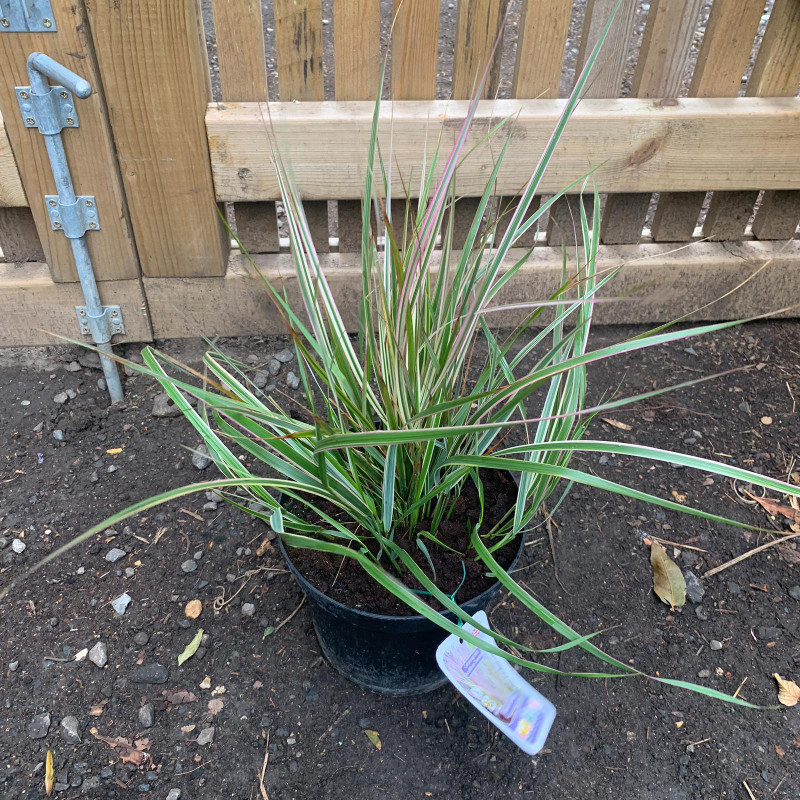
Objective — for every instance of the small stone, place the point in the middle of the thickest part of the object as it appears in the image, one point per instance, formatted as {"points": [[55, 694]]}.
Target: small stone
{"points": [[72, 394], [261, 379], [141, 638], [174, 794], [147, 715], [38, 726], [13, 666], [273, 366], [291, 740], [143, 787], [101, 384], [701, 613], [206, 736], [214, 497], [58, 435], [190, 565], [198, 554], [733, 588], [201, 458], [150, 673], [744, 406], [115, 554], [112, 468], [121, 603], [365, 723], [715, 645], [285, 356], [129, 572], [292, 381], [73, 366], [3, 542], [106, 772], [98, 655], [690, 350], [704, 673], [70, 730], [694, 588], [768, 632], [18, 546], [209, 506], [164, 406], [252, 359], [248, 609], [61, 398], [794, 592]]}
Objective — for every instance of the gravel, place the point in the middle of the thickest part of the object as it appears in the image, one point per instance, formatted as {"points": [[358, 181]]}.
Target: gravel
{"points": [[248, 609], [121, 603], [206, 736], [201, 458], [150, 673], [61, 398], [714, 644], [292, 381], [58, 435], [147, 715], [273, 366], [115, 554], [174, 794], [18, 546], [794, 592], [98, 655], [163, 406], [694, 588], [141, 638], [285, 356], [37, 728], [70, 730], [190, 565]]}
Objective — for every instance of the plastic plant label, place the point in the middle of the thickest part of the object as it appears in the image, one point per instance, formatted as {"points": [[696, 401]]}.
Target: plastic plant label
{"points": [[492, 685]]}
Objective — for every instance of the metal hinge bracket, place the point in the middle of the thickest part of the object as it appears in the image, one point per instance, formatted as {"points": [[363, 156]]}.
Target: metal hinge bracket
{"points": [[51, 112], [19, 16], [103, 327], [73, 219]]}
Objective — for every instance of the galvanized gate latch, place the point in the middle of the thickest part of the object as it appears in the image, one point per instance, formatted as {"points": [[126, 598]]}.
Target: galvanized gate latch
{"points": [[51, 109], [33, 16]]}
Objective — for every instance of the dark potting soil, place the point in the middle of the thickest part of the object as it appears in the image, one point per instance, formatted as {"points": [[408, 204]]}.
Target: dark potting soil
{"points": [[343, 579]]}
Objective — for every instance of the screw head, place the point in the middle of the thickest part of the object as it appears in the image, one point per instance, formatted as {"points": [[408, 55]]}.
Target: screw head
{"points": [[92, 225], [88, 203], [63, 95], [82, 312], [52, 203], [23, 94], [30, 121], [56, 224], [115, 313], [70, 121], [5, 23], [47, 22]]}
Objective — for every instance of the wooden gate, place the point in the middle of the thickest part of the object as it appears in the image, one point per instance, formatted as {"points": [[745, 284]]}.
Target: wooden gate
{"points": [[694, 125]]}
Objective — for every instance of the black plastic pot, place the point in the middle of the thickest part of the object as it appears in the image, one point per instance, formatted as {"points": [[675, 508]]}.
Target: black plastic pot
{"points": [[387, 654]]}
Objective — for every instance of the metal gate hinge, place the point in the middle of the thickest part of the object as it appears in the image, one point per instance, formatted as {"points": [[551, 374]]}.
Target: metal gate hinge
{"points": [[74, 219], [50, 112], [105, 326], [19, 16]]}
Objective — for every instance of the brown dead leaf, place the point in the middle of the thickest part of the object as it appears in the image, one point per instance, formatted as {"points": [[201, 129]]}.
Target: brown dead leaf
{"points": [[788, 691], [128, 753], [178, 697], [215, 706], [49, 774], [779, 751], [265, 546], [194, 608], [708, 482], [97, 710], [615, 423], [187, 728], [668, 582], [775, 509]]}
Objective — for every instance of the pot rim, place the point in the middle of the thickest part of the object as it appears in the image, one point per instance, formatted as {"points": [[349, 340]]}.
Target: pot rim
{"points": [[309, 588]]}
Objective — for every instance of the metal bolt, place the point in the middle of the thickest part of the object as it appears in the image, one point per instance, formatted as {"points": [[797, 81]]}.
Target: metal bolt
{"points": [[24, 95], [30, 121], [63, 95], [5, 23], [47, 22], [92, 225], [115, 313], [88, 203], [56, 224], [52, 203], [70, 121], [82, 312]]}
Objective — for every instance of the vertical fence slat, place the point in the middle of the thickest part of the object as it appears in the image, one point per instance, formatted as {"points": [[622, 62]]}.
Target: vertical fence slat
{"points": [[243, 79], [89, 148], [152, 56], [726, 47], [356, 53], [606, 81], [19, 240], [477, 28], [414, 41], [665, 48], [298, 41], [543, 28], [776, 73]]}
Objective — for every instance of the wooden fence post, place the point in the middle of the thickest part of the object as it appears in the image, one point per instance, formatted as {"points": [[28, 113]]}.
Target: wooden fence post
{"points": [[243, 78], [89, 148], [152, 56]]}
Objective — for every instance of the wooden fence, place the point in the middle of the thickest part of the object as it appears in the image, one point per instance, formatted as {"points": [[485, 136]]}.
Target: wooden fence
{"points": [[719, 149]]}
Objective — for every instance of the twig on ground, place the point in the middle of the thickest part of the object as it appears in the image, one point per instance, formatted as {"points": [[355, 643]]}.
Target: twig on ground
{"points": [[749, 553], [289, 618], [334, 723], [749, 790], [264, 795], [549, 524]]}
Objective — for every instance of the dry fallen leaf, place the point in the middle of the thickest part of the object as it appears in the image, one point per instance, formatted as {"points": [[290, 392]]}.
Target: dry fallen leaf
{"points": [[194, 608], [49, 774], [191, 648], [374, 738], [128, 753], [178, 697], [668, 582], [205, 683], [97, 710], [266, 545], [615, 423], [788, 691], [215, 706], [187, 728], [776, 509]]}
